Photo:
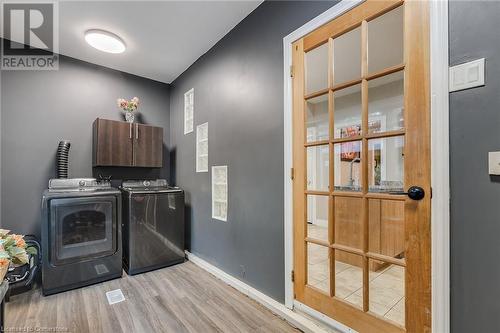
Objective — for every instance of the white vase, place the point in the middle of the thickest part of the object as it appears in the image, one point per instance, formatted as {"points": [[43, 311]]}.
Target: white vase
{"points": [[129, 117]]}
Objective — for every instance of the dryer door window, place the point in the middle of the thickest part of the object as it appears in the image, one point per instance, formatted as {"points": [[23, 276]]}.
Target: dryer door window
{"points": [[82, 228]]}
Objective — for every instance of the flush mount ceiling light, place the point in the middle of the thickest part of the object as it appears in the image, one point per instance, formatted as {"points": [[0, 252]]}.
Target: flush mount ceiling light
{"points": [[104, 41]]}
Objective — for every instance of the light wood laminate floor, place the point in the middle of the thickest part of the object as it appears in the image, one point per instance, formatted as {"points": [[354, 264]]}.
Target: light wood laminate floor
{"points": [[181, 298]]}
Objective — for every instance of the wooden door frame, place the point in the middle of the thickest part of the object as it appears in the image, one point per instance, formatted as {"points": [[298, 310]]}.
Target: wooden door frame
{"points": [[440, 218]]}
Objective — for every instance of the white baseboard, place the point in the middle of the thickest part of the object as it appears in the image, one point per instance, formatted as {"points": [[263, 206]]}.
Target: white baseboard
{"points": [[276, 307]]}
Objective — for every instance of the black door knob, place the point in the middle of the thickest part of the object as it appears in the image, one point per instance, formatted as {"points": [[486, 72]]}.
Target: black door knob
{"points": [[414, 193]]}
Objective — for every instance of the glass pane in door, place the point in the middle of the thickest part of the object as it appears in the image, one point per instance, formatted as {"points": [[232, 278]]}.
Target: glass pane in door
{"points": [[317, 119], [347, 112], [349, 277], [386, 164], [385, 40], [318, 161], [348, 214], [386, 223], [347, 57], [386, 103], [316, 69], [318, 267], [317, 217], [387, 291], [347, 166]]}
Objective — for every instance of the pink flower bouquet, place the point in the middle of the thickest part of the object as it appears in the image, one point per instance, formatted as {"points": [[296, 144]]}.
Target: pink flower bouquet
{"points": [[128, 106], [13, 249]]}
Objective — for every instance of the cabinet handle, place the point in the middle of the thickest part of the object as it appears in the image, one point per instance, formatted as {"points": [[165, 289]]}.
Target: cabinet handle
{"points": [[130, 131], [136, 131]]}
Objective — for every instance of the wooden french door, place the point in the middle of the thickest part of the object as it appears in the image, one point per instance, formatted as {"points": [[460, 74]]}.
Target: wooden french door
{"points": [[361, 122]]}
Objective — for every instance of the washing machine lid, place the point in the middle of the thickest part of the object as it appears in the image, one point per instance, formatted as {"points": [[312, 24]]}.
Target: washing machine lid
{"points": [[148, 186]]}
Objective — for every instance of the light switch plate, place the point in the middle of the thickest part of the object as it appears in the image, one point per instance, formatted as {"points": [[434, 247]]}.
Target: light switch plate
{"points": [[494, 162], [468, 75]]}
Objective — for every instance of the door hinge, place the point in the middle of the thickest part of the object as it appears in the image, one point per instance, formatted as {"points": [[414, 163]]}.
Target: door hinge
{"points": [[291, 71], [293, 276], [292, 173]]}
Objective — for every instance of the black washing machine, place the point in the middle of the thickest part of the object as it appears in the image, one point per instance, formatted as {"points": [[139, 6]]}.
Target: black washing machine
{"points": [[81, 234], [153, 225]]}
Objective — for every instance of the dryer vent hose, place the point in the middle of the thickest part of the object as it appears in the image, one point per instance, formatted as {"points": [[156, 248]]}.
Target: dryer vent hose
{"points": [[62, 158]]}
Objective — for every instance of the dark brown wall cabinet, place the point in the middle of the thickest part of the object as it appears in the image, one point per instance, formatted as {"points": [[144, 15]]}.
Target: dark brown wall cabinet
{"points": [[117, 143]]}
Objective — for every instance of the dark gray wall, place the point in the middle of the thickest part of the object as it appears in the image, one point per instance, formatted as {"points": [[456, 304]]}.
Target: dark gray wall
{"points": [[239, 90], [40, 108], [475, 196]]}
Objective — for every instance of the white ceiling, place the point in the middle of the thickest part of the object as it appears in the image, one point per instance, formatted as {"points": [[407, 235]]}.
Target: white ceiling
{"points": [[163, 38]]}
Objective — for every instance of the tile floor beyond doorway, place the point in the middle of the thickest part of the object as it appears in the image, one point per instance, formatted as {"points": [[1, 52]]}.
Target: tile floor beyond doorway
{"points": [[387, 296]]}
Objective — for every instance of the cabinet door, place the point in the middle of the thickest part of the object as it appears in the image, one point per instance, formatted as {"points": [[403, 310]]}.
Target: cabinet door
{"points": [[148, 146], [112, 143]]}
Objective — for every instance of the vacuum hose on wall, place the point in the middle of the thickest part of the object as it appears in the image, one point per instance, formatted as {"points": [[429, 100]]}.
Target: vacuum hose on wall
{"points": [[62, 159]]}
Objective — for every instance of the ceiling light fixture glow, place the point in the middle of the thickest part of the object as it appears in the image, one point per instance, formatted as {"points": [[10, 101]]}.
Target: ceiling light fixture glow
{"points": [[104, 41]]}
